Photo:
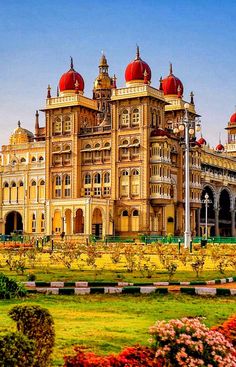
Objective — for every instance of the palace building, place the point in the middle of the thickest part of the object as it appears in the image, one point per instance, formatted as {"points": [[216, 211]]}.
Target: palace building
{"points": [[114, 163]]}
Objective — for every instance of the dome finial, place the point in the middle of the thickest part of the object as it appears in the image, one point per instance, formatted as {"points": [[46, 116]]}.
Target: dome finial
{"points": [[137, 52], [171, 68], [71, 63], [18, 123], [191, 97], [49, 91]]}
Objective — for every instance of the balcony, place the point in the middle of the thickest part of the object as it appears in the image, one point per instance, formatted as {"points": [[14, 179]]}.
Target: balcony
{"points": [[95, 130]]}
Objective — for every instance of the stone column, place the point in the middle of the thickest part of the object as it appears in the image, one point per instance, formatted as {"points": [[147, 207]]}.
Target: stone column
{"points": [[217, 231]]}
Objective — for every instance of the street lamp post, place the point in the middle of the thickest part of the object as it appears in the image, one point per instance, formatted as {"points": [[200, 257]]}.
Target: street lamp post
{"points": [[188, 127], [206, 201]]}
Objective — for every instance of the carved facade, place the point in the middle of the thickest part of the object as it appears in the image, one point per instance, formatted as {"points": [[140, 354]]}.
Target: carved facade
{"points": [[114, 163]]}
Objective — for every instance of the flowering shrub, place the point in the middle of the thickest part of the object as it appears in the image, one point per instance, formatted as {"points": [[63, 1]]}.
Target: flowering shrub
{"points": [[228, 329], [137, 356], [188, 342]]}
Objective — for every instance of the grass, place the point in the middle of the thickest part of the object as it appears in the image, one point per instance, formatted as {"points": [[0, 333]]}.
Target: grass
{"points": [[106, 323]]}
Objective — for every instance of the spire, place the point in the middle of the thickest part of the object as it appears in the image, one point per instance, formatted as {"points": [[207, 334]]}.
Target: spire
{"points": [[191, 98], [57, 91], [37, 120], [18, 123], [49, 91], [114, 81], [137, 53], [160, 83], [71, 63], [171, 68], [219, 138]]}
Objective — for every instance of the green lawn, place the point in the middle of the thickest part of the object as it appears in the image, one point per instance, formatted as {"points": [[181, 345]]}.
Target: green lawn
{"points": [[106, 323]]}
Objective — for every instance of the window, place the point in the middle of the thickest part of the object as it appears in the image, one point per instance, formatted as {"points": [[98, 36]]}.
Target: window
{"points": [[67, 192], [67, 180], [97, 178], [107, 145], [135, 172], [33, 159], [33, 222], [23, 160], [6, 184], [106, 191], [107, 177], [21, 184], [125, 213], [67, 124], [42, 183], [87, 179], [97, 146], [13, 184], [33, 183], [135, 213], [135, 117], [125, 173], [88, 146], [87, 191], [97, 191], [41, 159], [57, 126], [125, 119], [42, 224], [58, 180], [58, 193]]}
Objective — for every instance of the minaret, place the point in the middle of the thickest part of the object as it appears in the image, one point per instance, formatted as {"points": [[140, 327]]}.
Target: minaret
{"points": [[102, 90], [36, 126]]}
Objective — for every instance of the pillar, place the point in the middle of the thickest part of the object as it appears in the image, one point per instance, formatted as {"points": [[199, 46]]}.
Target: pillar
{"points": [[198, 222], [217, 231]]}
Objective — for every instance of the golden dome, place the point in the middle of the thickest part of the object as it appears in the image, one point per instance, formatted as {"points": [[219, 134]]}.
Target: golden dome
{"points": [[103, 82], [21, 135]]}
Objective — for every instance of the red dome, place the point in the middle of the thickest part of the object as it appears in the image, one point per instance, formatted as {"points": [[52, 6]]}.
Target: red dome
{"points": [[232, 120], [137, 69], [220, 147], [159, 132], [202, 141], [172, 85], [71, 80]]}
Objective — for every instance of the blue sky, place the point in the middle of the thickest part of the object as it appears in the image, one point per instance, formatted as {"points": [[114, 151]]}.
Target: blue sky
{"points": [[38, 37]]}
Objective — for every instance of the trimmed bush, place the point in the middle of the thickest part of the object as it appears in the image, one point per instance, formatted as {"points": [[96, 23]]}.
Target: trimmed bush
{"points": [[10, 288], [137, 356], [37, 324], [16, 350]]}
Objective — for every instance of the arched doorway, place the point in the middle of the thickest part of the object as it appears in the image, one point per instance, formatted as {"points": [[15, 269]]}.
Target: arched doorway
{"points": [[224, 214], [67, 228], [13, 223], [210, 212], [79, 221], [57, 222], [97, 223]]}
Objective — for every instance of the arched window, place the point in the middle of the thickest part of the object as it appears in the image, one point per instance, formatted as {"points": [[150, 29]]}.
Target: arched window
{"points": [[97, 178], [23, 160], [21, 184], [58, 180], [42, 183], [125, 142], [41, 159], [13, 184], [6, 184], [97, 145], [88, 146], [67, 180], [125, 173], [33, 183], [135, 117], [107, 145], [125, 213], [67, 124], [125, 119], [87, 179], [135, 213], [33, 159], [57, 128], [107, 177], [135, 172]]}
